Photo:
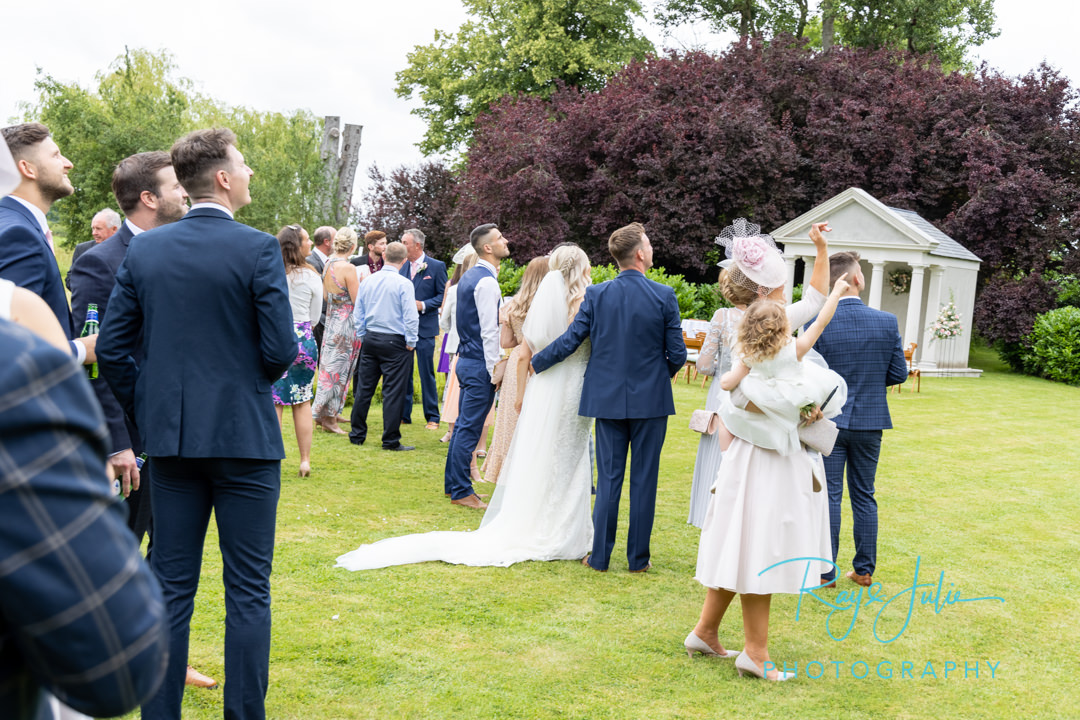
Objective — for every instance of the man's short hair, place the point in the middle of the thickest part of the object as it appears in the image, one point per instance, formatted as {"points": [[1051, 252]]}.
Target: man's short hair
{"points": [[624, 242], [110, 216], [395, 253], [479, 234], [417, 234], [322, 234], [20, 138], [372, 237], [843, 262], [200, 154], [135, 174]]}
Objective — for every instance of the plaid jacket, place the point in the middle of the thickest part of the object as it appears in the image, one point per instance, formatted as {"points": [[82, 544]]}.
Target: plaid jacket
{"points": [[81, 615], [863, 345]]}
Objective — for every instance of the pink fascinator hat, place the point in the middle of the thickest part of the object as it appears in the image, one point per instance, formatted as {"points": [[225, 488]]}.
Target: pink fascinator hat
{"points": [[755, 261]]}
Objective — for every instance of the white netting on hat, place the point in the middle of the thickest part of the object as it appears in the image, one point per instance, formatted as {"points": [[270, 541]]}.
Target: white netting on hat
{"points": [[752, 257]]}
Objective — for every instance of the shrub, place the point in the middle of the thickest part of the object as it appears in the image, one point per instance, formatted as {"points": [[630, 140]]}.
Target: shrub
{"points": [[1054, 350]]}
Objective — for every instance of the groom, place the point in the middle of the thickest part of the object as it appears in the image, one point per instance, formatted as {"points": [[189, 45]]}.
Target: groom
{"points": [[637, 347]]}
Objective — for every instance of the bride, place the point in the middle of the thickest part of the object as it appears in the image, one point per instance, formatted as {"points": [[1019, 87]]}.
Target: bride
{"points": [[540, 509]]}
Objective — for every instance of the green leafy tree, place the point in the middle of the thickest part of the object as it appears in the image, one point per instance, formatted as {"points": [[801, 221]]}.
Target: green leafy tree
{"points": [[516, 46], [141, 104], [947, 28]]}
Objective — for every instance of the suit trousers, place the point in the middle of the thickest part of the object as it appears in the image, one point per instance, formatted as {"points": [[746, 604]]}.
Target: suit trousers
{"points": [[857, 451], [475, 396], [140, 511], [643, 439], [386, 356], [429, 392], [243, 495]]}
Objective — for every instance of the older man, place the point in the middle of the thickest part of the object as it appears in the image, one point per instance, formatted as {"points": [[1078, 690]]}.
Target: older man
{"points": [[386, 321], [428, 277], [322, 244], [103, 226]]}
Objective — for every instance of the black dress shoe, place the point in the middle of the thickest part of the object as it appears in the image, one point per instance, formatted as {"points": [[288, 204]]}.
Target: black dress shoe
{"points": [[406, 421], [400, 448], [354, 441]]}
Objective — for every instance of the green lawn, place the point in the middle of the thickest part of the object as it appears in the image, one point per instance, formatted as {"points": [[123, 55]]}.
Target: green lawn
{"points": [[979, 480]]}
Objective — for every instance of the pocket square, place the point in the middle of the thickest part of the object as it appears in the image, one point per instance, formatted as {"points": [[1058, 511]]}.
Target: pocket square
{"points": [[426, 277]]}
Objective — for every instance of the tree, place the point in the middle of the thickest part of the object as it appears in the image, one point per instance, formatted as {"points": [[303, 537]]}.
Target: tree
{"points": [[688, 142], [947, 28], [516, 46], [140, 104], [422, 197]]}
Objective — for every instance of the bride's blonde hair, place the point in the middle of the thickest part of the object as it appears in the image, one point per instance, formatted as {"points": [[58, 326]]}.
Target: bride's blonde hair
{"points": [[572, 262]]}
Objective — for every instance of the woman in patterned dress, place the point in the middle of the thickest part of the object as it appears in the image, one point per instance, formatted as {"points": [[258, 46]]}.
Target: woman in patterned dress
{"points": [[305, 296], [340, 347]]}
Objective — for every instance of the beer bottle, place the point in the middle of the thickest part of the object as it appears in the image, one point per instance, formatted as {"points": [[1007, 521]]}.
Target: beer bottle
{"points": [[90, 327]]}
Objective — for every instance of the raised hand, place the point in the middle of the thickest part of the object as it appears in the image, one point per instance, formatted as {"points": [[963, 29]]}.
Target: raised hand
{"points": [[841, 286], [816, 231]]}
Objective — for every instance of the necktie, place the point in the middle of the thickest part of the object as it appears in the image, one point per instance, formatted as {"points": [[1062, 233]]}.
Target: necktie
{"points": [[412, 271], [48, 239]]}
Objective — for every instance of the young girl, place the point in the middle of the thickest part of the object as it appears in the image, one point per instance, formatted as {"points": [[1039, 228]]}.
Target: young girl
{"points": [[770, 372]]}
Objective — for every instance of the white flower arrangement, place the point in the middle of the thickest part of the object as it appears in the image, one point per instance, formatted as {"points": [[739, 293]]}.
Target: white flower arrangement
{"points": [[948, 324]]}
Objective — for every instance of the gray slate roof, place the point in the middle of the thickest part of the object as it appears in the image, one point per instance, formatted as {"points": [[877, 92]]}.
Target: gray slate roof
{"points": [[947, 247]]}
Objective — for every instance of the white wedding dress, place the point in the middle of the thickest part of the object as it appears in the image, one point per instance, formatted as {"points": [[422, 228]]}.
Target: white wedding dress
{"points": [[541, 506]]}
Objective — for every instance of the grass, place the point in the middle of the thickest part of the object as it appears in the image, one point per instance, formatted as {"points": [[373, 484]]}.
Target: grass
{"points": [[979, 479]]}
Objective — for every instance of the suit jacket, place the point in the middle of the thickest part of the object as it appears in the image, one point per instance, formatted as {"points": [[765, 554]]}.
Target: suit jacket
{"points": [[637, 346], [317, 262], [92, 277], [212, 297], [27, 260], [428, 285], [81, 615], [78, 253], [863, 345]]}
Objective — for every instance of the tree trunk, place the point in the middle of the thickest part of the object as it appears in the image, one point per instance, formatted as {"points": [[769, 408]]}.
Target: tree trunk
{"points": [[329, 153], [828, 20], [350, 158], [804, 10]]}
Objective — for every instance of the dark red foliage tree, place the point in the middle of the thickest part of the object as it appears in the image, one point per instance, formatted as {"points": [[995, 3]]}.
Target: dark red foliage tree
{"points": [[688, 142], [423, 197]]}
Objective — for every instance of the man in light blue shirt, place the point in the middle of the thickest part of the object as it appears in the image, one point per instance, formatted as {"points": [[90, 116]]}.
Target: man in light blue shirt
{"points": [[387, 323]]}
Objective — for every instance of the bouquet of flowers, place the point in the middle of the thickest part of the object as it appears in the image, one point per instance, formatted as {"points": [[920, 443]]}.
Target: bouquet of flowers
{"points": [[948, 323], [900, 281]]}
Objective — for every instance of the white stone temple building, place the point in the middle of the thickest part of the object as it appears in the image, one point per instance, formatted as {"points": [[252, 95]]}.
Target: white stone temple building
{"points": [[889, 239]]}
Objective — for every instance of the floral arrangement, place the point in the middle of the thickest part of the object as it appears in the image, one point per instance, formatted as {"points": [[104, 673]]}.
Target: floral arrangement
{"points": [[900, 281], [948, 323]]}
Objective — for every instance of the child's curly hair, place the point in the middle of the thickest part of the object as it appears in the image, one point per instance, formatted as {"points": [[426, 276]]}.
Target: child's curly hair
{"points": [[764, 330]]}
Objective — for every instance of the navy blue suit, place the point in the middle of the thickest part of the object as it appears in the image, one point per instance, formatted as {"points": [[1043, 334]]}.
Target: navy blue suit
{"points": [[428, 286], [637, 346], [863, 345], [91, 279], [27, 260], [209, 299]]}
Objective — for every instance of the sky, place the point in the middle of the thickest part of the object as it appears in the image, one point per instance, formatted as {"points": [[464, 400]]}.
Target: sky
{"points": [[339, 57]]}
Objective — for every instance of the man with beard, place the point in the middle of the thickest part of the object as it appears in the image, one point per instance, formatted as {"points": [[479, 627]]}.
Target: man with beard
{"points": [[27, 256], [146, 189]]}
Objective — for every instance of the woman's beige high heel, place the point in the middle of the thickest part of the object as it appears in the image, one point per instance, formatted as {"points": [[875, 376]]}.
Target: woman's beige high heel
{"points": [[695, 644], [743, 664], [305, 469]]}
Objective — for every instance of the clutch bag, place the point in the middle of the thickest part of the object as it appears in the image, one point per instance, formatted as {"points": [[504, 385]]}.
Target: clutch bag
{"points": [[820, 436], [704, 421]]}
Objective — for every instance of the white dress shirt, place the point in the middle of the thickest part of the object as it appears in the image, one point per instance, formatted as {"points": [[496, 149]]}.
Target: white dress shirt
{"points": [[487, 296]]}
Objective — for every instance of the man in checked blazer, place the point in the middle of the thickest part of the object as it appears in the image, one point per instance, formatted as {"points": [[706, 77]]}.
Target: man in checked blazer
{"points": [[81, 615], [212, 298], [863, 345]]}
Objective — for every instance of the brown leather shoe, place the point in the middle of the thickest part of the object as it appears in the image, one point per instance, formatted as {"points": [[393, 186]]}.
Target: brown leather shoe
{"points": [[197, 679], [864, 580], [432, 426], [647, 568], [471, 501], [585, 562]]}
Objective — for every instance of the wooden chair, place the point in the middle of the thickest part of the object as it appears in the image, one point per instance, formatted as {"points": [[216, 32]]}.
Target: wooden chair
{"points": [[693, 350], [912, 371]]}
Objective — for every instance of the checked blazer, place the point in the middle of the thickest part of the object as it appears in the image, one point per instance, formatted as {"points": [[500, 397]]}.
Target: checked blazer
{"points": [[863, 345], [81, 615]]}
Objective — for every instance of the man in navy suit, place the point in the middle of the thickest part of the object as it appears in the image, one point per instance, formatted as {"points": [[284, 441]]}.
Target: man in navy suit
{"points": [[26, 248], [212, 298], [637, 347], [863, 345], [102, 227], [428, 276], [147, 191]]}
